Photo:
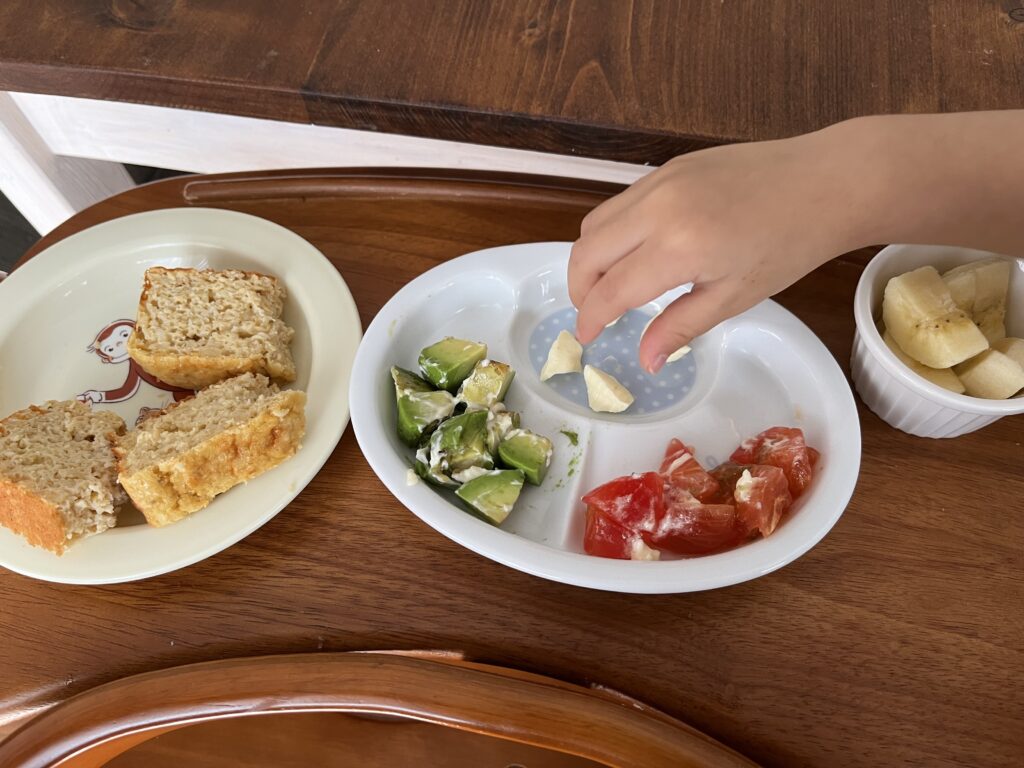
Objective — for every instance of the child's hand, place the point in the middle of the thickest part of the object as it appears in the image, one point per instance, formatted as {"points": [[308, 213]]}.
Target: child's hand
{"points": [[741, 222]]}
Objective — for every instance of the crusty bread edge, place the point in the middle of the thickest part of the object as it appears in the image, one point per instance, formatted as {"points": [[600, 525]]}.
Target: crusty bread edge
{"points": [[200, 371], [32, 517], [176, 488]]}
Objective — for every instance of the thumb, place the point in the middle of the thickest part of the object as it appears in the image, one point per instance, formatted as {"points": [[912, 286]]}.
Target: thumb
{"points": [[683, 320]]}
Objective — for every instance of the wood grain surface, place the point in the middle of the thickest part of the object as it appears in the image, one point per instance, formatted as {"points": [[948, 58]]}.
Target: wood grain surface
{"points": [[895, 641], [638, 81]]}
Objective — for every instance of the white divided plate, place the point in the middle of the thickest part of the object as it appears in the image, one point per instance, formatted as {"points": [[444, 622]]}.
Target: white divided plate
{"points": [[761, 369], [62, 325]]}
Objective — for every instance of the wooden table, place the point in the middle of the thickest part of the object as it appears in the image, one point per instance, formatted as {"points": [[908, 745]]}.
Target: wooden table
{"points": [[896, 641], [607, 86]]}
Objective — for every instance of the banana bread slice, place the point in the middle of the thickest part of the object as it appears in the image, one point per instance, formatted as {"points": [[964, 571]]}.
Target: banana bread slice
{"points": [[196, 327], [177, 461], [58, 474]]}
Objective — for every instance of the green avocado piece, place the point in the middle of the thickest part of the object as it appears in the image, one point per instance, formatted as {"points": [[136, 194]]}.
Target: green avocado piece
{"points": [[447, 363], [407, 381], [419, 413], [499, 424], [487, 384], [433, 477], [523, 450], [492, 496], [461, 442], [420, 407]]}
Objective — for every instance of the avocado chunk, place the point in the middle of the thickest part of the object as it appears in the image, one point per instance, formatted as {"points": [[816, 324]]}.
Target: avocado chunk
{"points": [[420, 407], [499, 423], [431, 474], [492, 496], [419, 413], [459, 443], [407, 381], [487, 384], [447, 363], [525, 451]]}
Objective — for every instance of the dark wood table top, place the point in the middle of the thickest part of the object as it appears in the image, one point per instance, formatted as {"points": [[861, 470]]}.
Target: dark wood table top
{"points": [[897, 640], [639, 81]]}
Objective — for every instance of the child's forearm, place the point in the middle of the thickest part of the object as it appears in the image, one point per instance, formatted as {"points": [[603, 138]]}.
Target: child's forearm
{"points": [[954, 179]]}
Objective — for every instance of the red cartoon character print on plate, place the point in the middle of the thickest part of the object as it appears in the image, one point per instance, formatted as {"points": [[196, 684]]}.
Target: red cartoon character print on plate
{"points": [[111, 347]]}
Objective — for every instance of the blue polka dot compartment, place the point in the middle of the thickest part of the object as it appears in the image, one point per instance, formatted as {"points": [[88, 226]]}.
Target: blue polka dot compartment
{"points": [[615, 351]]}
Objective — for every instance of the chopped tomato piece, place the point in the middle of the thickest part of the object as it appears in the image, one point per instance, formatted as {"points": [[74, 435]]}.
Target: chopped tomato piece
{"points": [[681, 468], [781, 447], [726, 476], [762, 498], [620, 511], [690, 527], [604, 537], [814, 454]]}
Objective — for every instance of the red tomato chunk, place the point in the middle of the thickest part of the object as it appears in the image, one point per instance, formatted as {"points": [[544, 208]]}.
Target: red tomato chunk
{"points": [[690, 527], [781, 447], [681, 468], [620, 512], [761, 499]]}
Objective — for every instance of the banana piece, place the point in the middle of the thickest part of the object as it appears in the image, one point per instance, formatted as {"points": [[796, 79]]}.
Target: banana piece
{"points": [[679, 354], [979, 289], [565, 356], [943, 377], [926, 323], [1012, 348], [604, 393], [992, 375]]}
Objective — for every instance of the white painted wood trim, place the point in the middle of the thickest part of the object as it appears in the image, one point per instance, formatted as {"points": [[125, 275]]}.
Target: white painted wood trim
{"points": [[45, 187], [205, 142]]}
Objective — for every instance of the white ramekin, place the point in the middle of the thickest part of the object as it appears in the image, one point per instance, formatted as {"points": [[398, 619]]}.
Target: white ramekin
{"points": [[898, 395]]}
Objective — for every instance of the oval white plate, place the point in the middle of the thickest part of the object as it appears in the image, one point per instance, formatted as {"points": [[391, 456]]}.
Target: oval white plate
{"points": [[55, 306], [761, 369]]}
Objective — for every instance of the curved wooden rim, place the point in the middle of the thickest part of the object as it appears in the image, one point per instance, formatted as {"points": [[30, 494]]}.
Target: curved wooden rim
{"points": [[493, 701], [382, 183], [226, 189]]}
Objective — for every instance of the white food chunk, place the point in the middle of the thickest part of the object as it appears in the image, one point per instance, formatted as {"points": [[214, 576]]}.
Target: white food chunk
{"points": [[641, 551], [744, 487], [565, 356], [604, 393]]}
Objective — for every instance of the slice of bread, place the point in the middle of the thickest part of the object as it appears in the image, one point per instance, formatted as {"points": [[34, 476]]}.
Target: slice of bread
{"points": [[58, 475], [196, 327], [177, 461]]}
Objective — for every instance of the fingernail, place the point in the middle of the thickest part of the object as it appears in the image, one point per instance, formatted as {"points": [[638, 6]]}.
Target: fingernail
{"points": [[657, 363]]}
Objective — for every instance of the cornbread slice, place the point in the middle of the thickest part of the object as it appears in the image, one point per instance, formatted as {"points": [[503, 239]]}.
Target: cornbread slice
{"points": [[196, 327], [58, 475], [177, 461]]}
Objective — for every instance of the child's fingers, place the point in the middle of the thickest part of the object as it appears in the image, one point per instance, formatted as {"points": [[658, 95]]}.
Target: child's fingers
{"points": [[685, 319], [630, 282], [602, 247]]}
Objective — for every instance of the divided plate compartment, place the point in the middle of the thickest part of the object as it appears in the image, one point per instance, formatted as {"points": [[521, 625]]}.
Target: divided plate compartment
{"points": [[755, 371]]}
